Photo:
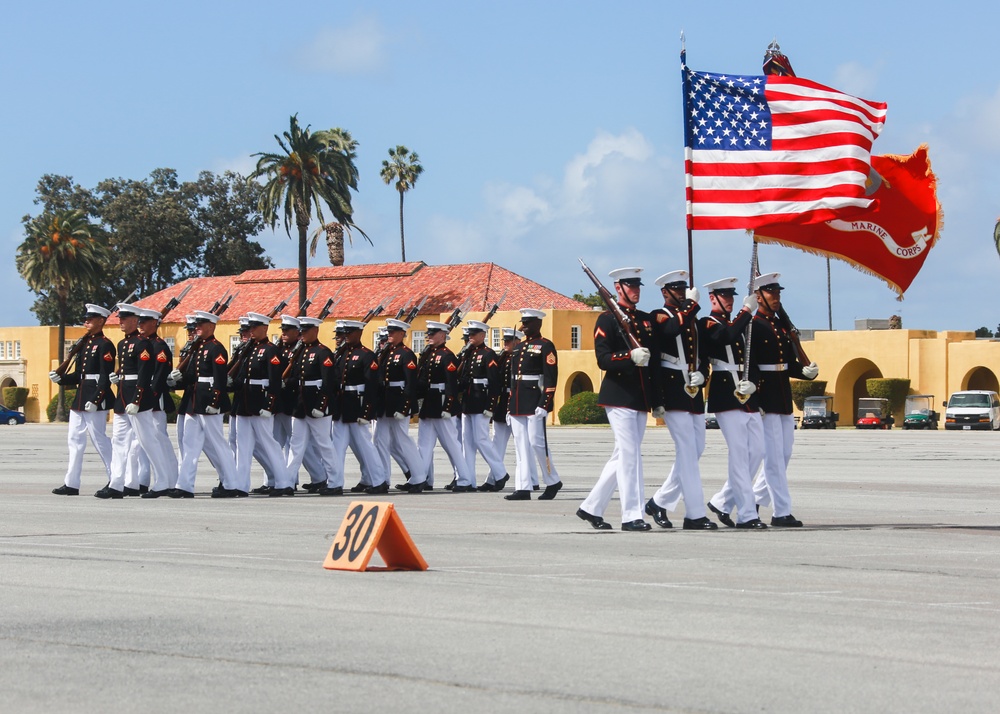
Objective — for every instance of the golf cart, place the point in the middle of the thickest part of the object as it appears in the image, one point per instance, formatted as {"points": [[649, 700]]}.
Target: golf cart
{"points": [[919, 412], [817, 413], [873, 413]]}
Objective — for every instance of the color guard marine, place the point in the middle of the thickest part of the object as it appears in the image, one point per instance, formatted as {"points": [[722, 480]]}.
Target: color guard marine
{"points": [[156, 452], [480, 382], [88, 415]]}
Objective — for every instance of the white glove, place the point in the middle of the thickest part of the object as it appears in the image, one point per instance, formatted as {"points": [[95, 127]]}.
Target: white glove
{"points": [[488, 414], [746, 387], [265, 414], [171, 383], [693, 295], [90, 407], [696, 379], [539, 412], [659, 412], [363, 422], [399, 415], [810, 371], [750, 302], [132, 409], [176, 376], [640, 355], [317, 414], [54, 376], [115, 378], [211, 410], [446, 415], [507, 418]]}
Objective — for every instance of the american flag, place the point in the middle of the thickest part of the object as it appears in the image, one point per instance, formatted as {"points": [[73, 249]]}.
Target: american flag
{"points": [[767, 149]]}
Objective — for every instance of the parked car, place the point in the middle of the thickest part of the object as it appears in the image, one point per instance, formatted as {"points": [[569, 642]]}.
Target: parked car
{"points": [[973, 409], [817, 413], [873, 413], [919, 412], [710, 421], [9, 416]]}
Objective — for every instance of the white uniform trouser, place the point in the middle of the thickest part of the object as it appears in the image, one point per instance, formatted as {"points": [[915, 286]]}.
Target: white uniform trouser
{"points": [[529, 436], [624, 468], [772, 485], [360, 440], [431, 431], [258, 451], [501, 437], [81, 425], [476, 437], [688, 432], [255, 439], [313, 434], [181, 421], [392, 436], [203, 432], [282, 429], [154, 448], [122, 441], [744, 435]]}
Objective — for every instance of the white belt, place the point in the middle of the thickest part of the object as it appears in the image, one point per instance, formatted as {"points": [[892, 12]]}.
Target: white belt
{"points": [[259, 382], [313, 383], [725, 366], [666, 360], [528, 377], [780, 367], [672, 363], [359, 388], [130, 377], [397, 384], [484, 381], [438, 386], [94, 377], [206, 380]]}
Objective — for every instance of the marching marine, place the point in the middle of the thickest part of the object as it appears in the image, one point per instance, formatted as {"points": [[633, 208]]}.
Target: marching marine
{"points": [[397, 377], [480, 381]]}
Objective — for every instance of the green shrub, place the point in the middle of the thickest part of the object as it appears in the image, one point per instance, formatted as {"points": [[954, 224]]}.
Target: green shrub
{"points": [[50, 410], [172, 417], [15, 397], [802, 388], [582, 408], [895, 390]]}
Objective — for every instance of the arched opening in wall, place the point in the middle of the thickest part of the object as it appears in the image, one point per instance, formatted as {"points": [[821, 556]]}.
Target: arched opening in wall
{"points": [[4, 383], [981, 378], [579, 382], [850, 386]]}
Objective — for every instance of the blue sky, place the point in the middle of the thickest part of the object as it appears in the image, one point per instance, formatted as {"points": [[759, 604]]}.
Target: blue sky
{"points": [[548, 130]]}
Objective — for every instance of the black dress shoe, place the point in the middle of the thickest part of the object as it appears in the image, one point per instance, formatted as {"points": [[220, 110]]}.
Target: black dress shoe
{"points": [[278, 492], [755, 525], [359, 488], [639, 525], [724, 518], [108, 492], [550, 491], [486, 487], [659, 514], [463, 489], [156, 494], [377, 490], [406, 475], [518, 496], [536, 487], [417, 487], [315, 486], [699, 524], [66, 491], [223, 492], [126, 491], [264, 490], [451, 486], [788, 521], [179, 493], [501, 484], [403, 486], [596, 521], [143, 489], [336, 491]]}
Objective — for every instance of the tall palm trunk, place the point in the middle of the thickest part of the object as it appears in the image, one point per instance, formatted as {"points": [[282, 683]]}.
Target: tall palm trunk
{"points": [[335, 242], [402, 241], [302, 221]]}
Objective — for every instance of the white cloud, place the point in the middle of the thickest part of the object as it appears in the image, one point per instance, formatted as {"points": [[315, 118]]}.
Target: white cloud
{"points": [[857, 79], [355, 49], [243, 164]]}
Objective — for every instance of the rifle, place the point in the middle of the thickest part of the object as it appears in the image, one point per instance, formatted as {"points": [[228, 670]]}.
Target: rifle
{"points": [[224, 306], [304, 307], [793, 333], [496, 306], [624, 324], [456, 315], [414, 311], [218, 303], [78, 345], [218, 307], [174, 302], [276, 310], [330, 304], [293, 357], [240, 351], [377, 310], [402, 311]]}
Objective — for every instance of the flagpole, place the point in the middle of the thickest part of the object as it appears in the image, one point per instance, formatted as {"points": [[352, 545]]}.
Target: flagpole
{"points": [[687, 159]]}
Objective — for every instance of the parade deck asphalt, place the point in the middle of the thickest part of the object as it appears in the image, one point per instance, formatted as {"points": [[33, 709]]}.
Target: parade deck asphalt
{"points": [[886, 601]]}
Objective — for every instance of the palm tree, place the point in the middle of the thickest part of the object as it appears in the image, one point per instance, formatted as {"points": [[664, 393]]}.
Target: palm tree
{"points": [[404, 168], [62, 251], [315, 169]]}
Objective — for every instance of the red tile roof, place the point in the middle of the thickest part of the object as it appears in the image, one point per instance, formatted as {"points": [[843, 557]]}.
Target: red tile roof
{"points": [[362, 287]]}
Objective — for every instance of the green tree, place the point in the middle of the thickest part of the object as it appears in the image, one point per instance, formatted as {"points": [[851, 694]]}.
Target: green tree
{"points": [[62, 251], [313, 170], [594, 299], [403, 167], [984, 332], [227, 215]]}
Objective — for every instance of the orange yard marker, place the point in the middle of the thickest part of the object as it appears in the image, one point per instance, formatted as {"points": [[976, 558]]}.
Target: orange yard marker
{"points": [[369, 526]]}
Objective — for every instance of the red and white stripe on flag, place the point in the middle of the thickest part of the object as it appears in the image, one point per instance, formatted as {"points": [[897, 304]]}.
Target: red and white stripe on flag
{"points": [[769, 149]]}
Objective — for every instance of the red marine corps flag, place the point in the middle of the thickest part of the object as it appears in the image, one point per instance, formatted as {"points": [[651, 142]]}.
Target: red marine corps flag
{"points": [[890, 240]]}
